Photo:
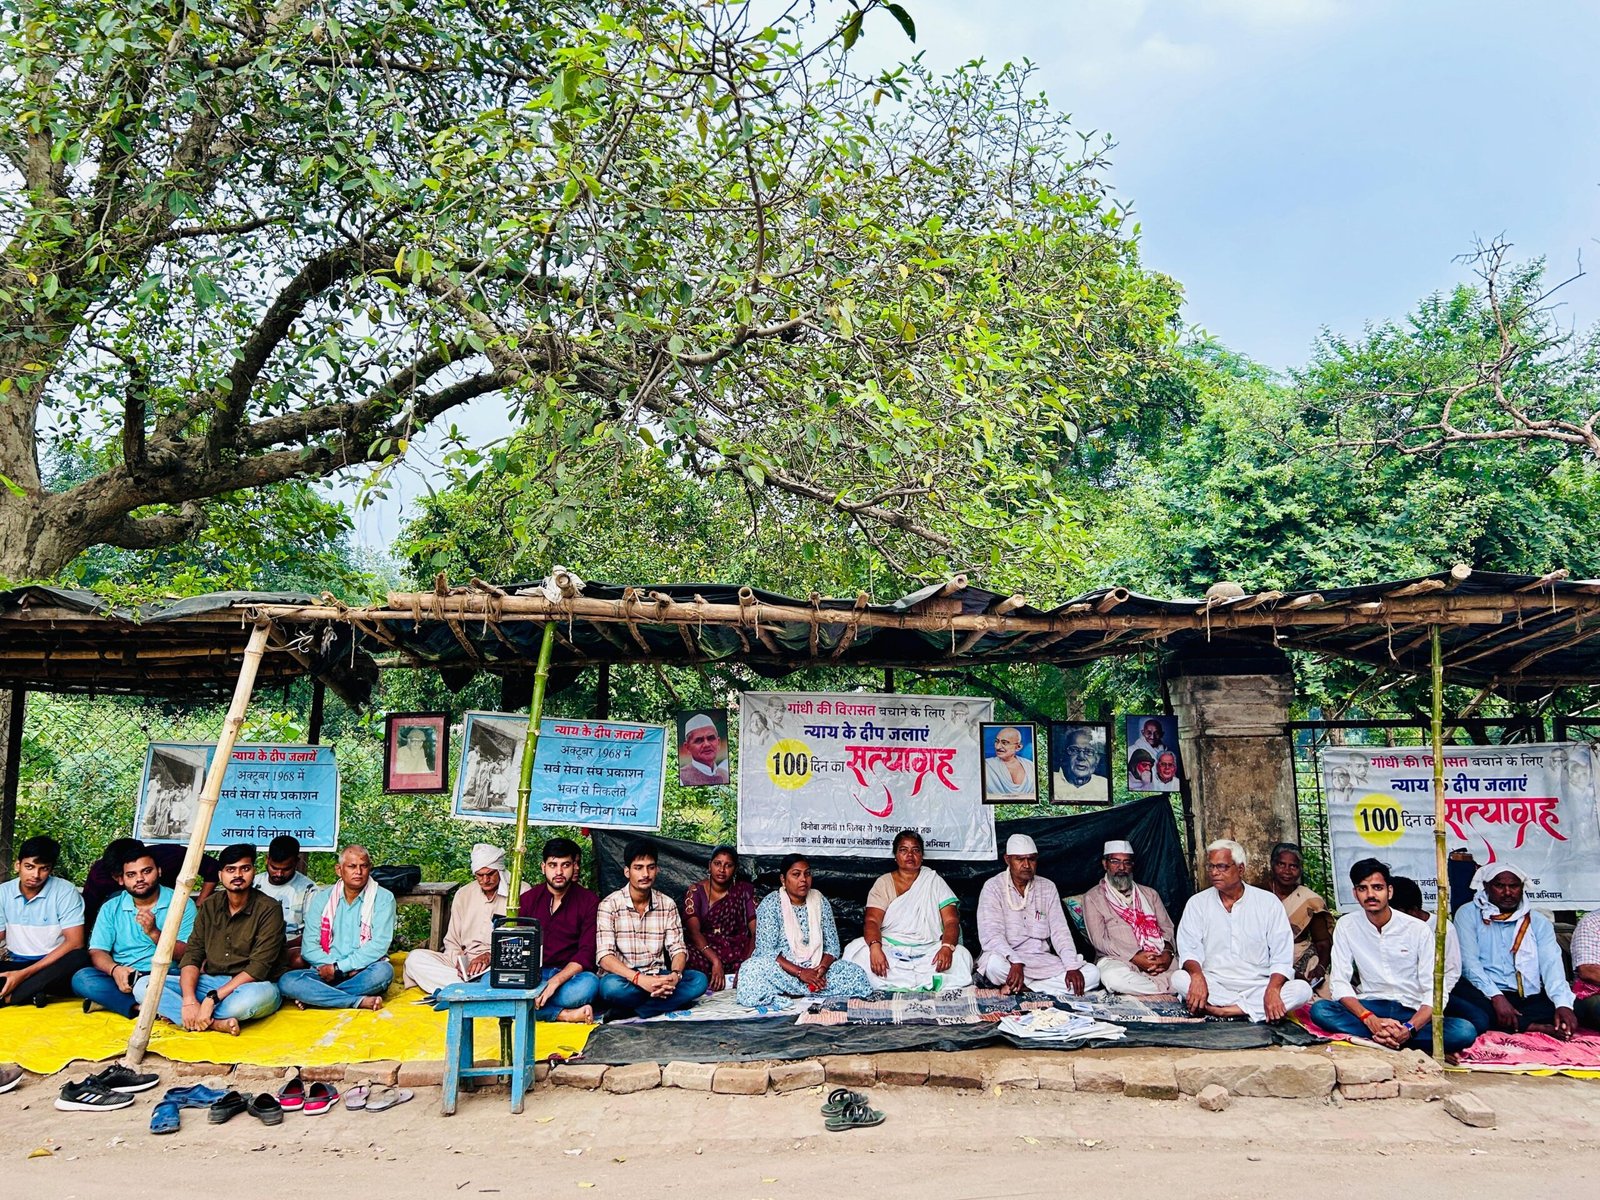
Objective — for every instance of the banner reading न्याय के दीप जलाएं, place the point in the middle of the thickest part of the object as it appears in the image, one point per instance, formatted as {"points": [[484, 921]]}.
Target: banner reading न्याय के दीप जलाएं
{"points": [[267, 791], [842, 774], [589, 773], [1530, 806]]}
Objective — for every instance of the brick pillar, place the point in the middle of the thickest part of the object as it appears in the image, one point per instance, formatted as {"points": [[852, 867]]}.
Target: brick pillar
{"points": [[1233, 707]]}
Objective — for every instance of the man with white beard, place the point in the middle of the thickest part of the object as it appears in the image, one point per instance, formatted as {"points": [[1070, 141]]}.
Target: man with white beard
{"points": [[1129, 927]]}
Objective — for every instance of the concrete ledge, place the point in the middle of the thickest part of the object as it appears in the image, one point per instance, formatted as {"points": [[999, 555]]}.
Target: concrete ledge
{"points": [[1150, 1081], [587, 1076], [851, 1070], [904, 1068], [960, 1069], [635, 1077], [740, 1079], [793, 1076], [691, 1077]]}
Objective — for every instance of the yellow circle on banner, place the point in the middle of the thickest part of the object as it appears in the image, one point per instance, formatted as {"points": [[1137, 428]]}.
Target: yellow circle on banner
{"points": [[1377, 819], [789, 764]]}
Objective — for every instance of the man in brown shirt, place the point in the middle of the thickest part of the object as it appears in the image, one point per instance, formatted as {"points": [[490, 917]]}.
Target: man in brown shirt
{"points": [[1129, 927], [236, 949]]}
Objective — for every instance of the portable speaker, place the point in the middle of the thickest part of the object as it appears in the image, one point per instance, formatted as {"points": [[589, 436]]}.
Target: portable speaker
{"points": [[516, 955]]}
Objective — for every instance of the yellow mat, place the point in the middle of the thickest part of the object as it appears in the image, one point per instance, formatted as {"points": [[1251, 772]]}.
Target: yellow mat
{"points": [[45, 1040]]}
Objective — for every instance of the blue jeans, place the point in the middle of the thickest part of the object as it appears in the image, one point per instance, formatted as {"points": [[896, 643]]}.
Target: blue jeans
{"points": [[246, 1002], [1331, 1014], [94, 984], [619, 996], [308, 987], [581, 989]]}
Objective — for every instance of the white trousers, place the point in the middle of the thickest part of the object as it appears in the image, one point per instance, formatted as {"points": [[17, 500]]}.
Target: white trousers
{"points": [[911, 973], [1119, 975], [993, 968], [1296, 992], [429, 970]]}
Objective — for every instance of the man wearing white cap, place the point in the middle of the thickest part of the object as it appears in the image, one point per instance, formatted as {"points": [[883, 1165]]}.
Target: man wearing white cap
{"points": [[1512, 976], [466, 938], [1023, 931], [1235, 947], [703, 756], [1128, 926]]}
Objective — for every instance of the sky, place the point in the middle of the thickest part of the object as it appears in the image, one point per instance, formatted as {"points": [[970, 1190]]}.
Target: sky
{"points": [[1299, 164]]}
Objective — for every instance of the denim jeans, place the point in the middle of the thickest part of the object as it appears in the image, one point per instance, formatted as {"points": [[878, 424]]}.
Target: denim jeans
{"points": [[1469, 1004], [309, 988], [94, 984], [581, 989], [246, 1002], [1331, 1014], [619, 996]]}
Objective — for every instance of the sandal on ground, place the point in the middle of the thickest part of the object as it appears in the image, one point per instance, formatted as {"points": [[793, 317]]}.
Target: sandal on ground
{"points": [[266, 1109], [384, 1098], [356, 1097], [164, 1117], [228, 1107], [292, 1095], [856, 1116], [320, 1097], [841, 1098]]}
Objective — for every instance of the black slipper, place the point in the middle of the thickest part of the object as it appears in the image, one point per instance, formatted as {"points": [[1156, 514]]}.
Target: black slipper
{"points": [[227, 1108], [266, 1109]]}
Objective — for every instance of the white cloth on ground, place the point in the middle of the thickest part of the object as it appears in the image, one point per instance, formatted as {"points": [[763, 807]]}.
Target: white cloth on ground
{"points": [[1296, 993], [1119, 975]]}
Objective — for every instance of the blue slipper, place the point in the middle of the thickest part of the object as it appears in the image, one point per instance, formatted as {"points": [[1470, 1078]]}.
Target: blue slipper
{"points": [[196, 1095], [164, 1117]]}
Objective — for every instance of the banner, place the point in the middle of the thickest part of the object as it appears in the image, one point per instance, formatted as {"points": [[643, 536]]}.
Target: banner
{"points": [[267, 791], [607, 774], [1533, 806], [842, 774]]}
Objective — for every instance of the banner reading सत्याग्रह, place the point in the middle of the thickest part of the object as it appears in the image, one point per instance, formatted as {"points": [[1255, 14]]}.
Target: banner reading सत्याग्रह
{"points": [[842, 774], [1531, 806]]}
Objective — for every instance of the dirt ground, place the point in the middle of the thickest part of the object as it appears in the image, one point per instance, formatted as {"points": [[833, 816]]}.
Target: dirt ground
{"points": [[935, 1143]]}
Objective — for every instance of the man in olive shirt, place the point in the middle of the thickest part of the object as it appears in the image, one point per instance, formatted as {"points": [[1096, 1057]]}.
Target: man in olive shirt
{"points": [[236, 950]]}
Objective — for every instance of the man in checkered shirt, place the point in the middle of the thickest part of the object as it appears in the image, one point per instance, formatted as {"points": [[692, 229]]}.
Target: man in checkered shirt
{"points": [[640, 947], [1586, 970]]}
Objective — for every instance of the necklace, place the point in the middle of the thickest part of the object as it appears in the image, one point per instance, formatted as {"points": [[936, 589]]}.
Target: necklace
{"points": [[1018, 902]]}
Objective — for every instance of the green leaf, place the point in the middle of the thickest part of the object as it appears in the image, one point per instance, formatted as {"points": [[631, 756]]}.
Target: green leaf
{"points": [[906, 23], [14, 488], [852, 29]]}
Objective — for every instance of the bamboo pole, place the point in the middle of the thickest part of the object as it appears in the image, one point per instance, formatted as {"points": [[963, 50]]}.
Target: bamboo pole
{"points": [[541, 678], [1441, 866], [139, 1041]]}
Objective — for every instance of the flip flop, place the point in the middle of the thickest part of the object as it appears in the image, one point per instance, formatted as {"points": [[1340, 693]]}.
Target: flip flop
{"points": [[164, 1117], [292, 1095], [841, 1098], [320, 1097], [385, 1098], [356, 1098], [857, 1116]]}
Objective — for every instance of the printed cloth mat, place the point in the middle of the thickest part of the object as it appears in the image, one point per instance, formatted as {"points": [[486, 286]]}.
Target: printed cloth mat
{"points": [[1534, 1054], [722, 1006], [959, 1006], [1143, 1010], [44, 1040]]}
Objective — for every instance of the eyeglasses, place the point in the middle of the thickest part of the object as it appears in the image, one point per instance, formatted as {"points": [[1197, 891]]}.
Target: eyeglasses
{"points": [[1221, 868]]}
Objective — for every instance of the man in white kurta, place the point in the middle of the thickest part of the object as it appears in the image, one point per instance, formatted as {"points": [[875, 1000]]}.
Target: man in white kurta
{"points": [[1023, 932], [466, 940], [1235, 946]]}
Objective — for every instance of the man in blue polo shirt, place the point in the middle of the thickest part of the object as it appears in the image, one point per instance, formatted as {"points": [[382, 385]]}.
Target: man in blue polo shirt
{"points": [[41, 920], [126, 931]]}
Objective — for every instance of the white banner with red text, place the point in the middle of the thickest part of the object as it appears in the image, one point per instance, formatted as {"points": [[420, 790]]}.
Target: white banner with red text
{"points": [[1531, 806], [842, 774]]}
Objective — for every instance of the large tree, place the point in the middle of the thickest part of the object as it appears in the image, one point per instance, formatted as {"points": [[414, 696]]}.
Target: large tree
{"points": [[244, 245]]}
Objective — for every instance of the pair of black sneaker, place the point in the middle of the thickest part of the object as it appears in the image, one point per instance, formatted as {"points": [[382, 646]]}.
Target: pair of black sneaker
{"points": [[105, 1091]]}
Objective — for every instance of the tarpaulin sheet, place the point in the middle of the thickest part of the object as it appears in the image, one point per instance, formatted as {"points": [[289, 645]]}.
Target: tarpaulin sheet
{"points": [[43, 1040], [781, 1038], [1069, 855]]}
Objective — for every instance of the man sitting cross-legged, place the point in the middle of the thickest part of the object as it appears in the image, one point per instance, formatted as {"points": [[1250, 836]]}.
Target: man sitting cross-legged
{"points": [[1236, 946], [640, 944], [566, 912], [289, 886], [126, 932], [235, 951], [1023, 930], [41, 927], [466, 939], [1393, 954], [1513, 977], [1129, 927], [348, 930]]}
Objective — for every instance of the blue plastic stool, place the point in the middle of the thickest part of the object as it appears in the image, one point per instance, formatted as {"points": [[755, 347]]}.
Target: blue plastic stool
{"points": [[468, 1002]]}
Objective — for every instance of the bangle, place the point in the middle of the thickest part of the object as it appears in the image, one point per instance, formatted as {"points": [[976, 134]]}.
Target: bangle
{"points": [[636, 979], [1364, 1015]]}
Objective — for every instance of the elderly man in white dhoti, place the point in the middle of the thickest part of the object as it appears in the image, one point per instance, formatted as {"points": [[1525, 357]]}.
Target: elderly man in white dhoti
{"points": [[1235, 946], [912, 930], [1023, 931], [466, 939]]}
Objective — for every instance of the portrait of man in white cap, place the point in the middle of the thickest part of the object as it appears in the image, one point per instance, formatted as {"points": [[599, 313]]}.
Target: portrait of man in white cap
{"points": [[703, 747]]}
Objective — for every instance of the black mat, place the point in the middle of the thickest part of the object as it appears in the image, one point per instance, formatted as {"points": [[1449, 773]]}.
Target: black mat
{"points": [[781, 1038]]}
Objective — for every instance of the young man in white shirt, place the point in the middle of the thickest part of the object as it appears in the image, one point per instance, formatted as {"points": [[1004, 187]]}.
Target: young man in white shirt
{"points": [[1394, 955], [289, 886]]}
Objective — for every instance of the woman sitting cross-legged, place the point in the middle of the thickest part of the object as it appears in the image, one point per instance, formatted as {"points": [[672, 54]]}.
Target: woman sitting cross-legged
{"points": [[912, 928], [797, 945], [719, 917]]}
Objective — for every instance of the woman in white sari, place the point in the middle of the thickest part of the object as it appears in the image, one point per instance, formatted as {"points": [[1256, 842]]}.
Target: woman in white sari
{"points": [[912, 932]]}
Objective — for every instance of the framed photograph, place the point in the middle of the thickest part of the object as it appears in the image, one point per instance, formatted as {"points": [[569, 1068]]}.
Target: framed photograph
{"points": [[169, 795], [1153, 763], [491, 766], [1010, 768], [702, 747], [1080, 762], [416, 751]]}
